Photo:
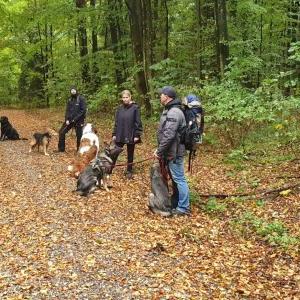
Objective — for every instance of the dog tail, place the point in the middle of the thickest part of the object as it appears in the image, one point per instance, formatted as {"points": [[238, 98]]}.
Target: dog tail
{"points": [[155, 210]]}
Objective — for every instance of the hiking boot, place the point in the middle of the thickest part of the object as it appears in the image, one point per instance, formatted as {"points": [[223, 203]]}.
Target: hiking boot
{"points": [[177, 213]]}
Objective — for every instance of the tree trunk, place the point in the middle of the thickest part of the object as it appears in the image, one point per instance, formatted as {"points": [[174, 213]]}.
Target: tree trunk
{"points": [[82, 40], [221, 35], [166, 52], [199, 39], [115, 34], [135, 8], [95, 79]]}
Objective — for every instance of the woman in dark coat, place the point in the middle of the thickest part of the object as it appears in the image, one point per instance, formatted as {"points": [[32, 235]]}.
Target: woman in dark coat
{"points": [[128, 127]]}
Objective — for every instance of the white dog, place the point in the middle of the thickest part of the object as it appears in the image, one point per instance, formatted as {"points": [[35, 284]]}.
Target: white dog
{"points": [[88, 139]]}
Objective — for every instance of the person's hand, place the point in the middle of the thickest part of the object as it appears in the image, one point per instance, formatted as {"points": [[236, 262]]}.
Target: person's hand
{"points": [[114, 138], [136, 139], [67, 122]]}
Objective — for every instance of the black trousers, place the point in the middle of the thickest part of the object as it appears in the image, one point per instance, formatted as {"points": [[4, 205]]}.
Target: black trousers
{"points": [[62, 135], [130, 155]]}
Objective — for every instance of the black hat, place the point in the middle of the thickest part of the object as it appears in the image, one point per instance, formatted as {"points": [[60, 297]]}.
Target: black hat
{"points": [[169, 91]]}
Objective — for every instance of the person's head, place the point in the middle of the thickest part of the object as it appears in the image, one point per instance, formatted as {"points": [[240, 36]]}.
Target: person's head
{"points": [[167, 94], [73, 91], [191, 99], [126, 97]]}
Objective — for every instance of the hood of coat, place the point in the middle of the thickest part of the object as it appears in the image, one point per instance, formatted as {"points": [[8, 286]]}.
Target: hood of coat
{"points": [[175, 102]]}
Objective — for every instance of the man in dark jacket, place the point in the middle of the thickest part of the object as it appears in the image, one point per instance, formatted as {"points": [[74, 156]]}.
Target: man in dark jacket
{"points": [[74, 118], [171, 151]]}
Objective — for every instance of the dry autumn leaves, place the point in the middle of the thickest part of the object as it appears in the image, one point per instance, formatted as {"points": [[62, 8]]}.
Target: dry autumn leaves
{"points": [[57, 245]]}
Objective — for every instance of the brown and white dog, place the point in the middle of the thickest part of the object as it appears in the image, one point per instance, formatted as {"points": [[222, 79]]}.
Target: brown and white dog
{"points": [[88, 150], [80, 162], [88, 139]]}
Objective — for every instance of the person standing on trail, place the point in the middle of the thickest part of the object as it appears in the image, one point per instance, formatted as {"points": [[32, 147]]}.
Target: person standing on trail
{"points": [[74, 118], [171, 151], [128, 128]]}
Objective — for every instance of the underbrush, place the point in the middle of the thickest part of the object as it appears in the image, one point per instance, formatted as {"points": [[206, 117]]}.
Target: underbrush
{"points": [[241, 216]]}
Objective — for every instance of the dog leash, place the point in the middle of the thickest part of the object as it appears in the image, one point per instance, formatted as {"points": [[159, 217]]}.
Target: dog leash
{"points": [[164, 171], [135, 162]]}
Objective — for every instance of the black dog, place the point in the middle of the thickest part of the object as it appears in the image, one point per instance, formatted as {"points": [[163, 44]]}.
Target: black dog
{"points": [[7, 131], [98, 171], [40, 139], [159, 200]]}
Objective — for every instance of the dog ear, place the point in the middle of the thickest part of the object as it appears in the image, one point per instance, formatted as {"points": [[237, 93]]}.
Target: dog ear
{"points": [[51, 131]]}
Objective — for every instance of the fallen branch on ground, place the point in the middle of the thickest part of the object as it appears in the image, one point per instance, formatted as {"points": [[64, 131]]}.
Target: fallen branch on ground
{"points": [[253, 194]]}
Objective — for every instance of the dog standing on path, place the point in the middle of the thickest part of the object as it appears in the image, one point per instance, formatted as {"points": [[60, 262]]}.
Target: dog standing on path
{"points": [[40, 139]]}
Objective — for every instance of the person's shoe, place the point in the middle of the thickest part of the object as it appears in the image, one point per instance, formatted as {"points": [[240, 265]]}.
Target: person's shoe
{"points": [[178, 213]]}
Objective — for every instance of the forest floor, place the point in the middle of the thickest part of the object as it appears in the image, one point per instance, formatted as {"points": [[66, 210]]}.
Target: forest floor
{"points": [[55, 244]]}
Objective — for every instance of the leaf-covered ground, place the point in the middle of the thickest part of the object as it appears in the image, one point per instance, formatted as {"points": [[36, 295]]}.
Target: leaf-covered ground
{"points": [[57, 245]]}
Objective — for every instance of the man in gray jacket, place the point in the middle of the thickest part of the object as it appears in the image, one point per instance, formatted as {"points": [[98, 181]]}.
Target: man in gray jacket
{"points": [[171, 151]]}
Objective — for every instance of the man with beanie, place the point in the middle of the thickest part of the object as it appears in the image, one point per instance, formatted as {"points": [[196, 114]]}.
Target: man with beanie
{"points": [[170, 151], [74, 118]]}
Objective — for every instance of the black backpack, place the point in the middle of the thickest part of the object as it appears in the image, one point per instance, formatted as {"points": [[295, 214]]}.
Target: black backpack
{"points": [[191, 136]]}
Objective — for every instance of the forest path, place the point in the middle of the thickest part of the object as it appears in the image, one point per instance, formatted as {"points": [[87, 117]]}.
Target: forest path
{"points": [[57, 245]]}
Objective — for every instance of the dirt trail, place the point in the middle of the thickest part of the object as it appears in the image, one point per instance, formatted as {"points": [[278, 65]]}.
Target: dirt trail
{"points": [[57, 245]]}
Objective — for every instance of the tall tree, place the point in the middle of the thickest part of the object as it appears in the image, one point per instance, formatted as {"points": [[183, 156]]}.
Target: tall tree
{"points": [[137, 28], [95, 78], [83, 40], [115, 12], [221, 35]]}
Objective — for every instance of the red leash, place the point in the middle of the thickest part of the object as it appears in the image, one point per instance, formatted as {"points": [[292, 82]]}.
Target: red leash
{"points": [[135, 162], [164, 170]]}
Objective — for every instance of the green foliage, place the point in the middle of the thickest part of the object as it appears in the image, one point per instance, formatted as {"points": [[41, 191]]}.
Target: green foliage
{"points": [[104, 99], [166, 73], [274, 233], [9, 76], [213, 206]]}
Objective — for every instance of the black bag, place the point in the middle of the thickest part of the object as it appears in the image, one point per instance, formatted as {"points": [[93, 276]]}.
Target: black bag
{"points": [[191, 136]]}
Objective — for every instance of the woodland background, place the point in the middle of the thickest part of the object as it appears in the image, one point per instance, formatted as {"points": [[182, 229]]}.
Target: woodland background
{"points": [[242, 57], [242, 240]]}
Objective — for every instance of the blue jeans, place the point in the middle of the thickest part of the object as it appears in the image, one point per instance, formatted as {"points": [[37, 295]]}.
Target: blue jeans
{"points": [[181, 195]]}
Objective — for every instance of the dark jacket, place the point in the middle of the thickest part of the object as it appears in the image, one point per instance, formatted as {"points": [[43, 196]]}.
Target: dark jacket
{"points": [[76, 110], [172, 123], [128, 124]]}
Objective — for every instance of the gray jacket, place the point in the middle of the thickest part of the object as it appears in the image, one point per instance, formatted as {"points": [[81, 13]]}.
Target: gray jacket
{"points": [[172, 123]]}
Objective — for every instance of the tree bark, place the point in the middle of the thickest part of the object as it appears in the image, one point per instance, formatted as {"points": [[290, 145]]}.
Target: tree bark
{"points": [[82, 40], [199, 39], [135, 9], [115, 34], [95, 79], [222, 47]]}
